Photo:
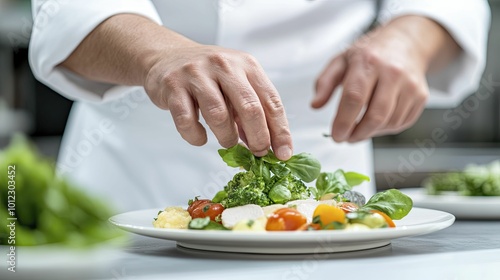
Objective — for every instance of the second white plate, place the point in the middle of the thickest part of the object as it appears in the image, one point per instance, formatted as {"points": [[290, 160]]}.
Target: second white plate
{"points": [[466, 207], [419, 221]]}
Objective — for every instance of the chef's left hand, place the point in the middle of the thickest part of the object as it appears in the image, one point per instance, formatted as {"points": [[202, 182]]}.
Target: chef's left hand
{"points": [[383, 78]]}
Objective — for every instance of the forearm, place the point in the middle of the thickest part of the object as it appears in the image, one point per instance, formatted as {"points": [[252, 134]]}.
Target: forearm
{"points": [[122, 49], [436, 46]]}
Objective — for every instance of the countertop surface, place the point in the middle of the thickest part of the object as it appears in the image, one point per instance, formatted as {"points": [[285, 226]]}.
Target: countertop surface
{"points": [[466, 250]]}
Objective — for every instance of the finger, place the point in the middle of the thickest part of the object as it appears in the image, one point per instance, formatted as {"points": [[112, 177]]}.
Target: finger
{"points": [[412, 95], [411, 119], [328, 80], [246, 103], [241, 132], [380, 109], [359, 83], [281, 139], [414, 114], [409, 113], [420, 96], [185, 115], [214, 110]]}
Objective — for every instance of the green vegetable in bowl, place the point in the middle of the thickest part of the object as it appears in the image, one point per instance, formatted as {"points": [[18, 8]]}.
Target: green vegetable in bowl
{"points": [[474, 180], [47, 209]]}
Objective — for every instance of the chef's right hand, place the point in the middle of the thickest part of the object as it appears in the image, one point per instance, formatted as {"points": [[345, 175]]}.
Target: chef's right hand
{"points": [[232, 92]]}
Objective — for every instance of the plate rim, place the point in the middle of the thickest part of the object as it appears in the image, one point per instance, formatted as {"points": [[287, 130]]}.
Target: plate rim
{"points": [[182, 235]]}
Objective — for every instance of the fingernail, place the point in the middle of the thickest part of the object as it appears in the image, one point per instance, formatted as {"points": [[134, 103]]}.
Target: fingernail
{"points": [[261, 153], [339, 137], [284, 152]]}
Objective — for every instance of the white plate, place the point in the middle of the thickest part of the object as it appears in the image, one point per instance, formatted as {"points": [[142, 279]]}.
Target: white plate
{"points": [[467, 207], [419, 221]]}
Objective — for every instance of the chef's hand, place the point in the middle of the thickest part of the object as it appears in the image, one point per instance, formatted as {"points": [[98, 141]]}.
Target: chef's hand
{"points": [[231, 90], [383, 78], [229, 87]]}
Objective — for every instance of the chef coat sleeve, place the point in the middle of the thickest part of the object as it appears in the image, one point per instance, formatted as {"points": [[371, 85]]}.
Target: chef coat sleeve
{"points": [[468, 23], [59, 26]]}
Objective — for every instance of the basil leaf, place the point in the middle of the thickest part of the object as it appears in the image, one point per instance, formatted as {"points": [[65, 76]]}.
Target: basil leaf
{"points": [[325, 182], [304, 166], [219, 196], [337, 182], [392, 202], [270, 158], [237, 156], [341, 185], [332, 182], [354, 178], [280, 194], [259, 168], [279, 170], [266, 173]]}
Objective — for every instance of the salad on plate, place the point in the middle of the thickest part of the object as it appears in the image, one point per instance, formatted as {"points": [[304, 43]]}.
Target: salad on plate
{"points": [[272, 195]]}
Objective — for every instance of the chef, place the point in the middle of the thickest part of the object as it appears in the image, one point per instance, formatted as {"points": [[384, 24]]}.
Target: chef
{"points": [[160, 86]]}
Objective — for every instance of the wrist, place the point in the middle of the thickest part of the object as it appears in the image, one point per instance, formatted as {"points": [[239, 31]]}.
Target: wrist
{"points": [[431, 42]]}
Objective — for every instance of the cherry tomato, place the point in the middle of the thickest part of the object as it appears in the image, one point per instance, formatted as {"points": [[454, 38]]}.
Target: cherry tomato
{"points": [[196, 203], [387, 219], [211, 210], [348, 207], [201, 208], [285, 219]]}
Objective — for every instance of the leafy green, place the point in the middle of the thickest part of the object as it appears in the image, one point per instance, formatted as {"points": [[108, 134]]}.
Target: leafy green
{"points": [[267, 180], [337, 182], [392, 202], [354, 178], [280, 194], [219, 196], [205, 224], [304, 166], [474, 180], [237, 156], [49, 209]]}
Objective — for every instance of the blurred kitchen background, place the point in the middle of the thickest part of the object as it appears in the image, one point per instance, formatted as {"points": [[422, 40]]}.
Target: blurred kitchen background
{"points": [[400, 160]]}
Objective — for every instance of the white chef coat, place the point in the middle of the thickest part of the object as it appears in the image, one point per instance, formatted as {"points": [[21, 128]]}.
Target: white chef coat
{"points": [[118, 145]]}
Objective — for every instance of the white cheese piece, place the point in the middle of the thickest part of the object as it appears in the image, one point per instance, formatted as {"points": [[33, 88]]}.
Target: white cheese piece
{"points": [[231, 216], [306, 207]]}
